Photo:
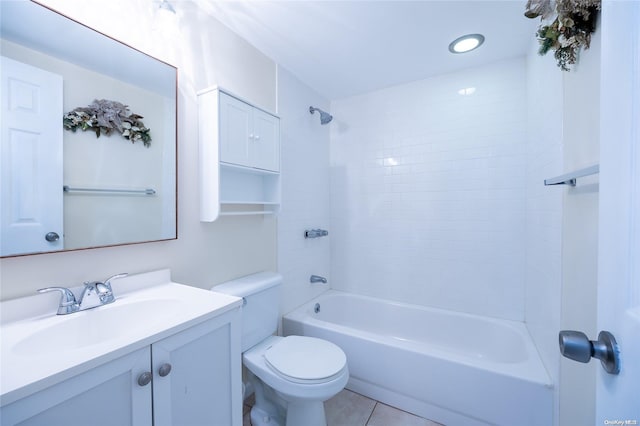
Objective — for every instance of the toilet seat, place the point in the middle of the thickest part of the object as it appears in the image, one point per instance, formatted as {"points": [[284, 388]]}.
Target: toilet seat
{"points": [[287, 387], [307, 360]]}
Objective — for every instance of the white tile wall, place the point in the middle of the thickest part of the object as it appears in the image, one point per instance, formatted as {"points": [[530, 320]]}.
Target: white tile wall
{"points": [[305, 191], [428, 191]]}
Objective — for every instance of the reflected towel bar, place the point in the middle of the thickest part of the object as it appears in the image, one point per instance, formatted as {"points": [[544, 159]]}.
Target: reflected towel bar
{"points": [[571, 178], [146, 191]]}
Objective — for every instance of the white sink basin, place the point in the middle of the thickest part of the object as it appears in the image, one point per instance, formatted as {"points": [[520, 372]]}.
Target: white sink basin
{"points": [[39, 348], [97, 326]]}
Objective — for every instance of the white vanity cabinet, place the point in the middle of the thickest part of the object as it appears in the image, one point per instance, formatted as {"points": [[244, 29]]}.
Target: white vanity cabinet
{"points": [[106, 395], [239, 157], [201, 387]]}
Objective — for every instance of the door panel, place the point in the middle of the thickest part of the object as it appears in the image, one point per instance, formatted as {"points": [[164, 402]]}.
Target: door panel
{"points": [[264, 150], [235, 128], [618, 396], [104, 396], [196, 391], [31, 158]]}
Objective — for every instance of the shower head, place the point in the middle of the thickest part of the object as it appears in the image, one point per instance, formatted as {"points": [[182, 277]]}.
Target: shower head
{"points": [[325, 117]]}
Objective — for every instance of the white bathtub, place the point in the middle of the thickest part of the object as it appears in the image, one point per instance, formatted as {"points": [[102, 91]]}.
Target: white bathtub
{"points": [[454, 368]]}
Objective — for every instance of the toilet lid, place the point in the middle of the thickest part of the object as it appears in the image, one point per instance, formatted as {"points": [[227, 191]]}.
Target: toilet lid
{"points": [[306, 358]]}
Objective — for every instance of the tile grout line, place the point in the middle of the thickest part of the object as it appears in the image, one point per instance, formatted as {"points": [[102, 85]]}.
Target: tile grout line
{"points": [[371, 414]]}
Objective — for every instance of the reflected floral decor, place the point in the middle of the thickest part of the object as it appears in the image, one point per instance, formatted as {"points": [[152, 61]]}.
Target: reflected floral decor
{"points": [[570, 30], [104, 116]]}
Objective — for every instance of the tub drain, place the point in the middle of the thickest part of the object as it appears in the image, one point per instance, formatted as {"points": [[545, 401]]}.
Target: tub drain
{"points": [[316, 308]]}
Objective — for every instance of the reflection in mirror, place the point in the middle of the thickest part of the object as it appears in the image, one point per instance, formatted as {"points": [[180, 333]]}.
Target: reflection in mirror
{"points": [[119, 178]]}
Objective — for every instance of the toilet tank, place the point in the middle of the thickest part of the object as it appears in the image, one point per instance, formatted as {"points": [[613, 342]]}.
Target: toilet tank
{"points": [[261, 301]]}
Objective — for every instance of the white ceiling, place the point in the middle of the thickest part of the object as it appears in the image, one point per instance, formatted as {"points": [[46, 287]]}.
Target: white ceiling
{"points": [[343, 48]]}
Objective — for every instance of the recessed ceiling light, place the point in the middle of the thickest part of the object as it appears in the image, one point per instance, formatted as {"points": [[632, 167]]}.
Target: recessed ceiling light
{"points": [[466, 43]]}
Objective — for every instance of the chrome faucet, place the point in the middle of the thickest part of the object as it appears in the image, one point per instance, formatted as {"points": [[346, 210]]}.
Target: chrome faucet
{"points": [[95, 293], [317, 279]]}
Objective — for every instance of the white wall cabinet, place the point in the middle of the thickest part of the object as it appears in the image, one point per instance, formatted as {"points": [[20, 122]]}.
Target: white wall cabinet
{"points": [[239, 157], [202, 387], [249, 136]]}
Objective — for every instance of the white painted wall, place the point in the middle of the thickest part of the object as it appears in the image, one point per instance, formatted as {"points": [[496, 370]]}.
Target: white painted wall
{"points": [[543, 242], [428, 191], [305, 192], [206, 53]]}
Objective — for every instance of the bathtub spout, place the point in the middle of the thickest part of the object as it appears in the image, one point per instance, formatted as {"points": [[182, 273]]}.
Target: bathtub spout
{"points": [[317, 279]]}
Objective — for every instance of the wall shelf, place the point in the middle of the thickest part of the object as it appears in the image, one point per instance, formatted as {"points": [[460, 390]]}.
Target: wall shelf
{"points": [[250, 213], [261, 203]]}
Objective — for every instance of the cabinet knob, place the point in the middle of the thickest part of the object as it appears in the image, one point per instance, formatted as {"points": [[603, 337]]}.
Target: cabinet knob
{"points": [[52, 237], [251, 136], [164, 369], [257, 137], [145, 378]]}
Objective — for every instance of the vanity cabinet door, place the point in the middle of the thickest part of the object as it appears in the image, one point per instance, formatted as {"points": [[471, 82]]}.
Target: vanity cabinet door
{"points": [[106, 395], [197, 375]]}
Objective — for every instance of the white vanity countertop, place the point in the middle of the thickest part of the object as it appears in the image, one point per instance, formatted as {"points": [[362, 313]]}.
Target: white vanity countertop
{"points": [[39, 348]]}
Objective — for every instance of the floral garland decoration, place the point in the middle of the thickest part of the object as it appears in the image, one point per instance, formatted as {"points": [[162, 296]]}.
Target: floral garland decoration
{"points": [[575, 21], [104, 116]]}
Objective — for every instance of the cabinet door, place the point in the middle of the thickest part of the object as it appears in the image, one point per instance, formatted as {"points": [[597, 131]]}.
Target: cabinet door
{"points": [[264, 147], [107, 395], [235, 130], [204, 384]]}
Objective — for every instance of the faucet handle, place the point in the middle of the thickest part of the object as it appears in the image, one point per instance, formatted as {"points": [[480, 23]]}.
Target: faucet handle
{"points": [[107, 282], [104, 289], [68, 303]]}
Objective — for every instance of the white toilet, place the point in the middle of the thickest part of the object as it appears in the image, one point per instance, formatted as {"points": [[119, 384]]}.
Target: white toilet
{"points": [[291, 376]]}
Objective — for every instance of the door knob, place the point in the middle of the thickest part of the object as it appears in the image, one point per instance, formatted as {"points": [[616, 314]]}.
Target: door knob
{"points": [[576, 345], [52, 237]]}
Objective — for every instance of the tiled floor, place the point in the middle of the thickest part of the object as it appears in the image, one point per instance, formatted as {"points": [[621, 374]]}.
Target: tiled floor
{"points": [[352, 409]]}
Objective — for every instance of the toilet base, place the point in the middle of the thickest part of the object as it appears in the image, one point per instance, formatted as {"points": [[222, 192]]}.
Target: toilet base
{"points": [[308, 413], [260, 417]]}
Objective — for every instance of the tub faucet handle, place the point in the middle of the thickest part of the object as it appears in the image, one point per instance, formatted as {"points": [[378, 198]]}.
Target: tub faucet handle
{"points": [[315, 233]]}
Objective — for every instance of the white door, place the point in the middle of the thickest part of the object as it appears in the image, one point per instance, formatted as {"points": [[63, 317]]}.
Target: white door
{"points": [[618, 396], [31, 159]]}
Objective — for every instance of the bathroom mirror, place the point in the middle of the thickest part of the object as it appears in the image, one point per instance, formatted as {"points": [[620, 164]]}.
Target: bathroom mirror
{"points": [[65, 188]]}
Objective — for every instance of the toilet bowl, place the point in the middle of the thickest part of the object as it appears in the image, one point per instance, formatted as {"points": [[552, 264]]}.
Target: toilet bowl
{"points": [[292, 376], [303, 371]]}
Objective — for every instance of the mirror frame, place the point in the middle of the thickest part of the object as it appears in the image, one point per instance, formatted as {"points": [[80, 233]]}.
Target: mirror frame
{"points": [[175, 140]]}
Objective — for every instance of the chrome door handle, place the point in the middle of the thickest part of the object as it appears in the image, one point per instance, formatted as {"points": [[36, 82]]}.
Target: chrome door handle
{"points": [[576, 345]]}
